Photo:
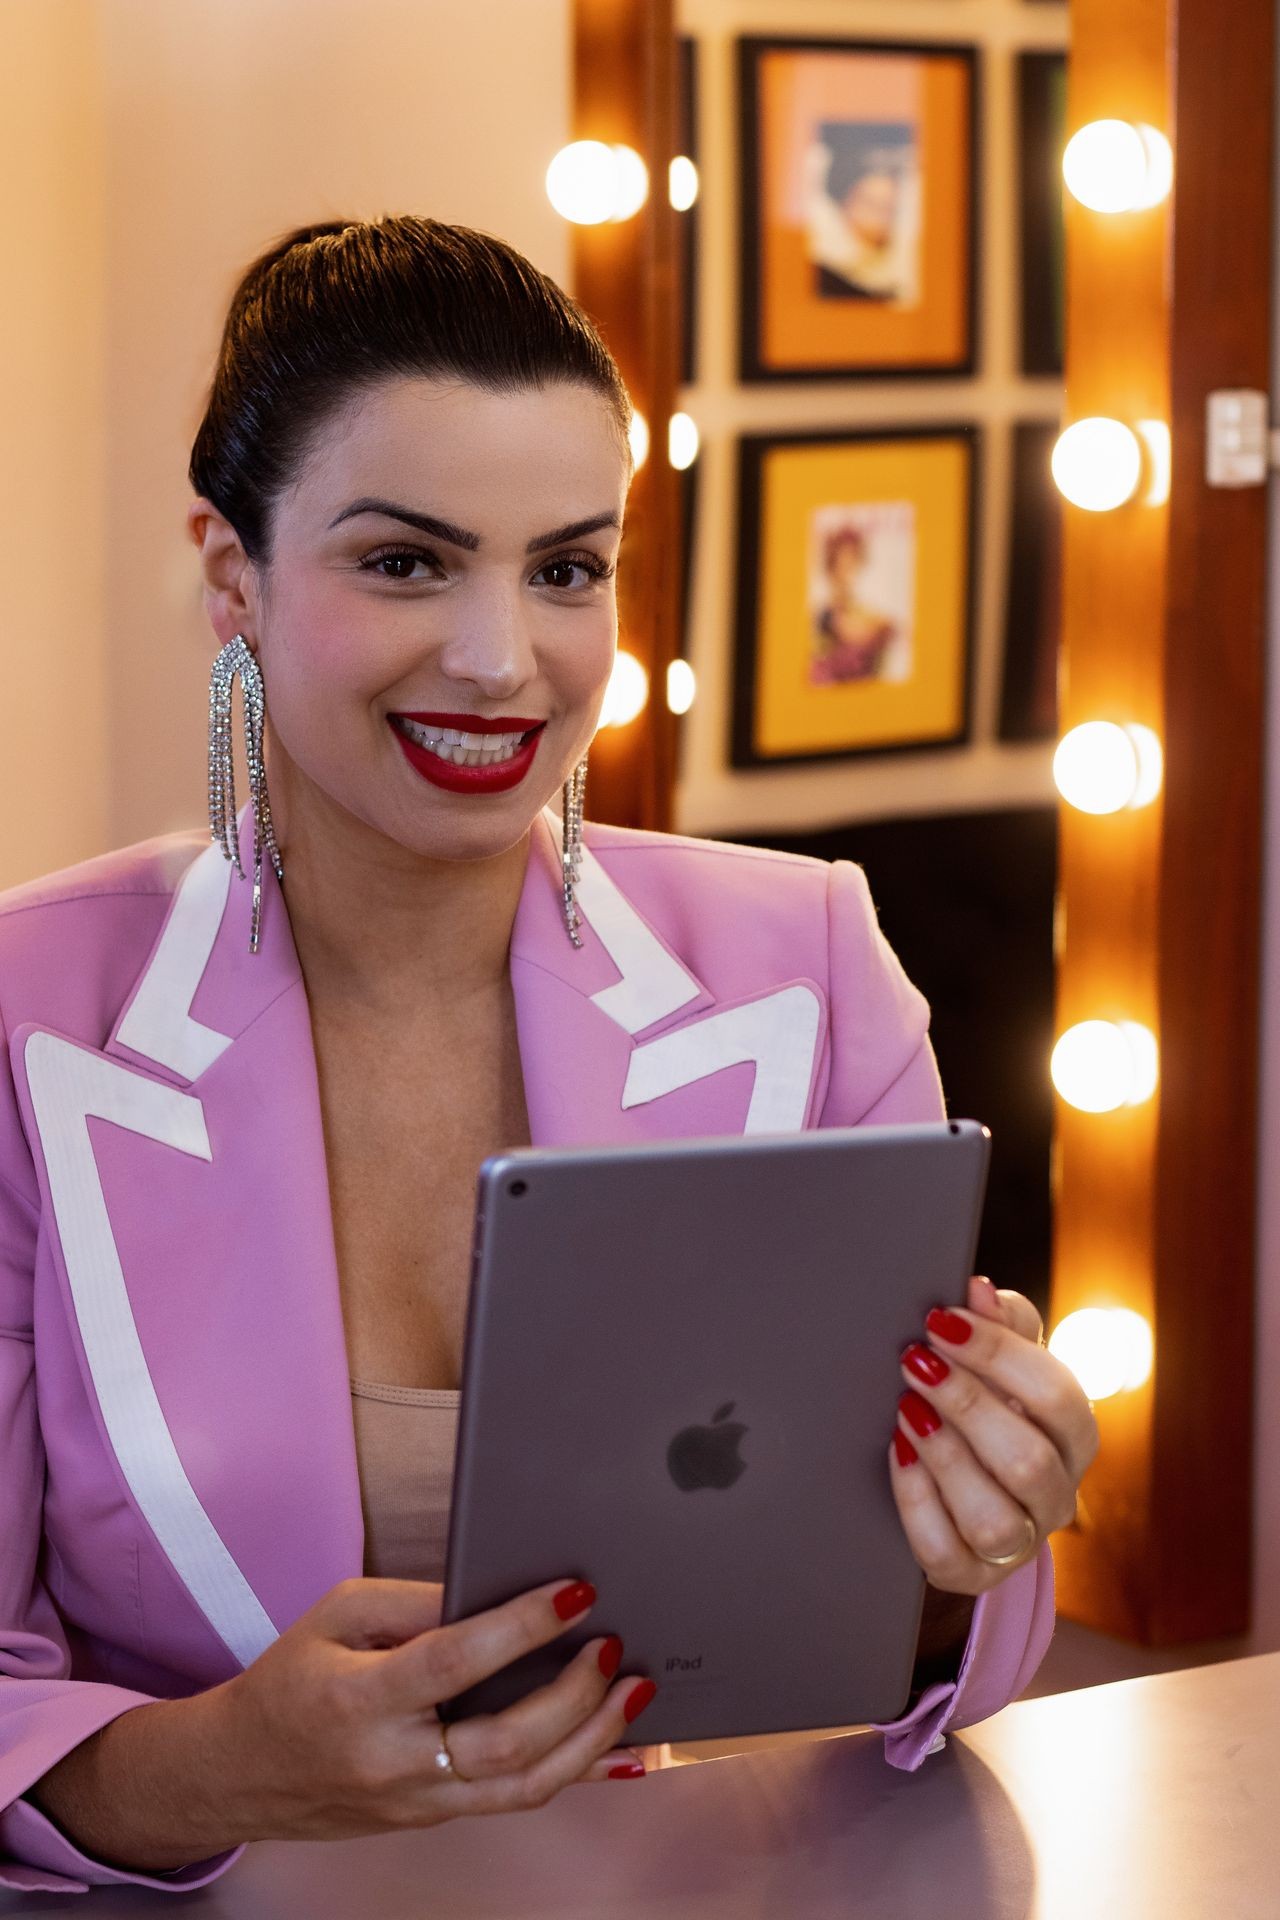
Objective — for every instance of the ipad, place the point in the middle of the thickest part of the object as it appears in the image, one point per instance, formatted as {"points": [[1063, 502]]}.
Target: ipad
{"points": [[680, 1383]]}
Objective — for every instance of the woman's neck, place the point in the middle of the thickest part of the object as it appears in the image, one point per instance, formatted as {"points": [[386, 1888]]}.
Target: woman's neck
{"points": [[383, 928]]}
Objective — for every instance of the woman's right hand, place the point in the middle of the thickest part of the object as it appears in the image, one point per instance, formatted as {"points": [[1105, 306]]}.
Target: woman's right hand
{"points": [[332, 1731]]}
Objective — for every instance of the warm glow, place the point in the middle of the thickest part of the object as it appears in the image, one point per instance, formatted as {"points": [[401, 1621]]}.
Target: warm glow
{"points": [[682, 183], [626, 693], [1103, 768], [1097, 464], [682, 440], [638, 435], [589, 183], [1109, 1349], [1101, 1065], [681, 686], [1118, 166]]}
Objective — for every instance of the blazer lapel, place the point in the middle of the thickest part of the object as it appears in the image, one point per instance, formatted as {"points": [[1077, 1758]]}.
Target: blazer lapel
{"points": [[184, 1169], [620, 1040]]}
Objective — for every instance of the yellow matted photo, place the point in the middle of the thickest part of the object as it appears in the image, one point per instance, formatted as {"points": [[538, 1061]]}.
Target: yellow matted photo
{"points": [[855, 596]]}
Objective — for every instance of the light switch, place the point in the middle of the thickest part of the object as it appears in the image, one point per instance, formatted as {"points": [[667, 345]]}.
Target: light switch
{"points": [[1237, 441]]}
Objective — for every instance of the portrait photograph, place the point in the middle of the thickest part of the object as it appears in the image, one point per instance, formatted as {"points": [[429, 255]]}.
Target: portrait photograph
{"points": [[854, 618], [858, 222]]}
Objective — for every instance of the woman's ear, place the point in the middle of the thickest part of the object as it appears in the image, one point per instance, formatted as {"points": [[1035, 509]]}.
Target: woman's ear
{"points": [[230, 595]]}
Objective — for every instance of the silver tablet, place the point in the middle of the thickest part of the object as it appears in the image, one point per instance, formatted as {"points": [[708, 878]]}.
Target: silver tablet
{"points": [[680, 1383]]}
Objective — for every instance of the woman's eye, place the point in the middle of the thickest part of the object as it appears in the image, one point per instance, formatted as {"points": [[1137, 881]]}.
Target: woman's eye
{"points": [[396, 563], [587, 564]]}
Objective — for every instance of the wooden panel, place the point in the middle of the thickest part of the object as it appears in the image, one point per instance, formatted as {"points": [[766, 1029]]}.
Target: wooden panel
{"points": [[627, 276], [1158, 909]]}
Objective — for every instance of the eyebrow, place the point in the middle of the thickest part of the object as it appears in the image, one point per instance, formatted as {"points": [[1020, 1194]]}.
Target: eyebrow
{"points": [[458, 536]]}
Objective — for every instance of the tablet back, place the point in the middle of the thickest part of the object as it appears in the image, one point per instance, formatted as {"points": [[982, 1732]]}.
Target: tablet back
{"points": [[680, 1383]]}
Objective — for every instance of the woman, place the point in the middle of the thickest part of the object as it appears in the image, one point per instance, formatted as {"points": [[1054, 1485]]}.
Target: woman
{"points": [[239, 1141]]}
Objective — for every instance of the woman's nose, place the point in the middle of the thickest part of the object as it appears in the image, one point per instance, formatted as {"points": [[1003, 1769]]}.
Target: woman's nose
{"points": [[493, 653]]}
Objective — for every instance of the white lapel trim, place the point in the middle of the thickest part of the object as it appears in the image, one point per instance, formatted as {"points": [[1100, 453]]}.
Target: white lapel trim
{"points": [[158, 1023], [778, 1032], [653, 982], [68, 1084]]}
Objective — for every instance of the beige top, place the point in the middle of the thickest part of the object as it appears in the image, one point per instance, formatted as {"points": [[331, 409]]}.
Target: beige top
{"points": [[405, 1440]]}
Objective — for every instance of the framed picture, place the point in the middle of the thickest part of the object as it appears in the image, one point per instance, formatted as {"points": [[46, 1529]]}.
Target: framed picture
{"points": [[855, 610], [687, 144], [858, 209], [1042, 117], [1033, 618]]}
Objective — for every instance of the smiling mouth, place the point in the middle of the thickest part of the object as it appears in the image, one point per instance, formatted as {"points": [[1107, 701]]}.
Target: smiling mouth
{"points": [[462, 748]]}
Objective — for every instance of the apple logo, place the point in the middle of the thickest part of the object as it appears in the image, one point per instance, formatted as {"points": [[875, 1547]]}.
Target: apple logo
{"points": [[707, 1456]]}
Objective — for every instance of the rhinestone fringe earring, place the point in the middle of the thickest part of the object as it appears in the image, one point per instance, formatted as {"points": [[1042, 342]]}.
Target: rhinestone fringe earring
{"points": [[236, 658], [571, 854]]}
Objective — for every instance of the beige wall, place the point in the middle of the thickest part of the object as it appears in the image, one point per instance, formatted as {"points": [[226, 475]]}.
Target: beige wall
{"points": [[152, 148], [53, 745]]}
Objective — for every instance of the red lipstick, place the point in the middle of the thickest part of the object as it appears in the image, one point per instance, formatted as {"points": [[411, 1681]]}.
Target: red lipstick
{"points": [[498, 778]]}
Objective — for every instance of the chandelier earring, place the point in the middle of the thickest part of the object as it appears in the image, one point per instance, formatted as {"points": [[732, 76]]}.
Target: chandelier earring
{"points": [[237, 658], [571, 850]]}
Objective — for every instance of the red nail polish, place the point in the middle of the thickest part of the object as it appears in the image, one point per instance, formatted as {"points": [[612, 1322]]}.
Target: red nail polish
{"points": [[610, 1656], [638, 1699], [627, 1770], [920, 1414], [925, 1364], [948, 1325], [571, 1601], [907, 1455]]}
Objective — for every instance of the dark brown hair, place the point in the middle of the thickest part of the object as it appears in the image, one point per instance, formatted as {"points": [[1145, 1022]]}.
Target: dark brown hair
{"points": [[331, 309]]}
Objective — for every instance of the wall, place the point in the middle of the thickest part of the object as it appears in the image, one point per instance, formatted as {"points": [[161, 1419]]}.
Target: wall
{"points": [[713, 798], [169, 144]]}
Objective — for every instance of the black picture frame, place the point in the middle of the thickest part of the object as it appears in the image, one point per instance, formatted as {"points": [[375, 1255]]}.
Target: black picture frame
{"points": [[1033, 605], [754, 367], [1042, 239], [753, 452]]}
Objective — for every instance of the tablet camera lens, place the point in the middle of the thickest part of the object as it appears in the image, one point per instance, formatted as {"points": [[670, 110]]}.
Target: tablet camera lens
{"points": [[518, 1187]]}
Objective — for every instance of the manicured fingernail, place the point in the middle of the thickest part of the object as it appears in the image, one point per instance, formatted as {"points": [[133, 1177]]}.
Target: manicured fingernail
{"points": [[575, 1599], [925, 1364], [627, 1770], [610, 1656], [948, 1326], [638, 1699], [920, 1414], [907, 1455]]}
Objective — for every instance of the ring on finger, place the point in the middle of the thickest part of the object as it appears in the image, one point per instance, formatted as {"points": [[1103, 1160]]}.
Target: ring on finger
{"points": [[1019, 1554], [443, 1758]]}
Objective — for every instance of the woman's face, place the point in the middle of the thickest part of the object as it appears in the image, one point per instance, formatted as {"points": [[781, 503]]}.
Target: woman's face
{"points": [[378, 637]]}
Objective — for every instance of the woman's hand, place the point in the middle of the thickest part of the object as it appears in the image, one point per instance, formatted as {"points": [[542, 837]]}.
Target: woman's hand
{"points": [[994, 1437], [333, 1732]]}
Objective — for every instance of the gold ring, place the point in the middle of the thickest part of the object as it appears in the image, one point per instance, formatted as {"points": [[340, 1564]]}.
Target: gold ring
{"points": [[443, 1757], [1019, 1554]]}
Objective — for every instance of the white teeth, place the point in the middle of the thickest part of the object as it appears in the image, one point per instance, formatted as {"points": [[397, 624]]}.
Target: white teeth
{"points": [[462, 749]]}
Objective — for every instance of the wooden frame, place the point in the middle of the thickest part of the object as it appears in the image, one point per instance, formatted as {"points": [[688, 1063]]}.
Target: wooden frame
{"points": [[784, 712], [1160, 907], [899, 317]]}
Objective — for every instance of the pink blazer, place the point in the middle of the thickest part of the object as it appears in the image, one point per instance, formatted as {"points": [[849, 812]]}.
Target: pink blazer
{"points": [[178, 1479]]}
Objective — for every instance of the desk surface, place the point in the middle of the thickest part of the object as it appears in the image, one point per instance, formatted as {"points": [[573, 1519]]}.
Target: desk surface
{"points": [[1152, 1799]]}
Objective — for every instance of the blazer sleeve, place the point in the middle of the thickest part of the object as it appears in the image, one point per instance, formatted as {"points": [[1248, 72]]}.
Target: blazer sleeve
{"points": [[883, 1071], [44, 1712]]}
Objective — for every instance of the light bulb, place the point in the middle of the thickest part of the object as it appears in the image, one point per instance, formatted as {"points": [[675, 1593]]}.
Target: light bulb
{"points": [[638, 436], [626, 693], [1101, 767], [589, 182], [682, 440], [682, 183], [1109, 1349], [1097, 464], [1100, 1065], [681, 686], [1118, 166]]}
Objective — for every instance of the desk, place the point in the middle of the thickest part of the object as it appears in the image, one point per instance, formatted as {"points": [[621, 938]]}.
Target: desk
{"points": [[1152, 1799]]}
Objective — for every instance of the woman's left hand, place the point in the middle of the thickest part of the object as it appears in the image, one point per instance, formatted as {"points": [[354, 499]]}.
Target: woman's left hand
{"points": [[994, 1436]]}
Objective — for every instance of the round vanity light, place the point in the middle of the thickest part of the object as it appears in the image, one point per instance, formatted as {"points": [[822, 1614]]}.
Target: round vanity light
{"points": [[1118, 166], [1109, 1349], [1097, 464], [681, 686], [682, 183], [589, 182], [682, 440], [626, 693], [1101, 767], [1101, 1065]]}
